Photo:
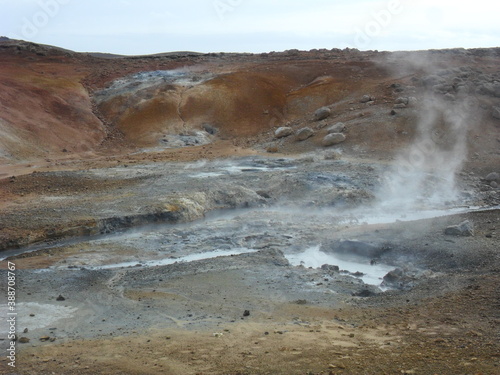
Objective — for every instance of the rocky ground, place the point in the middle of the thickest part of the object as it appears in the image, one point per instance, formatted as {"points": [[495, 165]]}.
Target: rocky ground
{"points": [[245, 214]]}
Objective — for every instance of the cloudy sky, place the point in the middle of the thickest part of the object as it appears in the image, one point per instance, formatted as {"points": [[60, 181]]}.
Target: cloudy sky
{"points": [[153, 26]]}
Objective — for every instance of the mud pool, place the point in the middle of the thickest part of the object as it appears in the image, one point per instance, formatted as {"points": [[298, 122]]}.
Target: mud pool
{"points": [[242, 234]]}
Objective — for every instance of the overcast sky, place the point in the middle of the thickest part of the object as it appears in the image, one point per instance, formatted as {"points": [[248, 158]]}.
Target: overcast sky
{"points": [[153, 26]]}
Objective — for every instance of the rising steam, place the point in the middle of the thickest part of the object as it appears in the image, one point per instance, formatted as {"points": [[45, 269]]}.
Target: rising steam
{"points": [[425, 173]]}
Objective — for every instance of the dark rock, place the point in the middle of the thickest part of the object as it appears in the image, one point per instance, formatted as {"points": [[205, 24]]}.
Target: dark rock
{"points": [[60, 298], [263, 194], [394, 276], [301, 302], [24, 340], [246, 313], [328, 267], [464, 229]]}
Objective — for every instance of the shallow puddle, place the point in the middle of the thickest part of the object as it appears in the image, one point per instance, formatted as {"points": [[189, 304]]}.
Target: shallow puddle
{"points": [[313, 257]]}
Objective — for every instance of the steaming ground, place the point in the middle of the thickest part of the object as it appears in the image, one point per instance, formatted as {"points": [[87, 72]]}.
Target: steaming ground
{"points": [[244, 255], [172, 228]]}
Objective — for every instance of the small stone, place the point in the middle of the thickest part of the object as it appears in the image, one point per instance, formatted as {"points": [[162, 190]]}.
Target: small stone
{"points": [[412, 101], [493, 176], [32, 315], [304, 134], [367, 98], [494, 184], [333, 139], [246, 313], [464, 229], [402, 100], [24, 340], [339, 127], [322, 113], [283, 132], [393, 113], [25, 330], [44, 338], [332, 155], [60, 298]]}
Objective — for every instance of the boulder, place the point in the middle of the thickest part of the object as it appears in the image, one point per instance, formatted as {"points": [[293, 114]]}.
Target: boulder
{"points": [[304, 133], [394, 276], [331, 268], [493, 176], [283, 132], [398, 279], [333, 139], [464, 229], [339, 127], [322, 113]]}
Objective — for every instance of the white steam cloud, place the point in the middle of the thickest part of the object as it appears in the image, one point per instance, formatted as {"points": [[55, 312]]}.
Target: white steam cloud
{"points": [[424, 174]]}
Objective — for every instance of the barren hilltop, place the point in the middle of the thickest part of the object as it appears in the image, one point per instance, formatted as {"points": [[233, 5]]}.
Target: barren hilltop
{"points": [[298, 212]]}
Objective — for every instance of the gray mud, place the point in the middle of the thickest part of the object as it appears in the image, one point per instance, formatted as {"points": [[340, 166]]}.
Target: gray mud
{"points": [[233, 241]]}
